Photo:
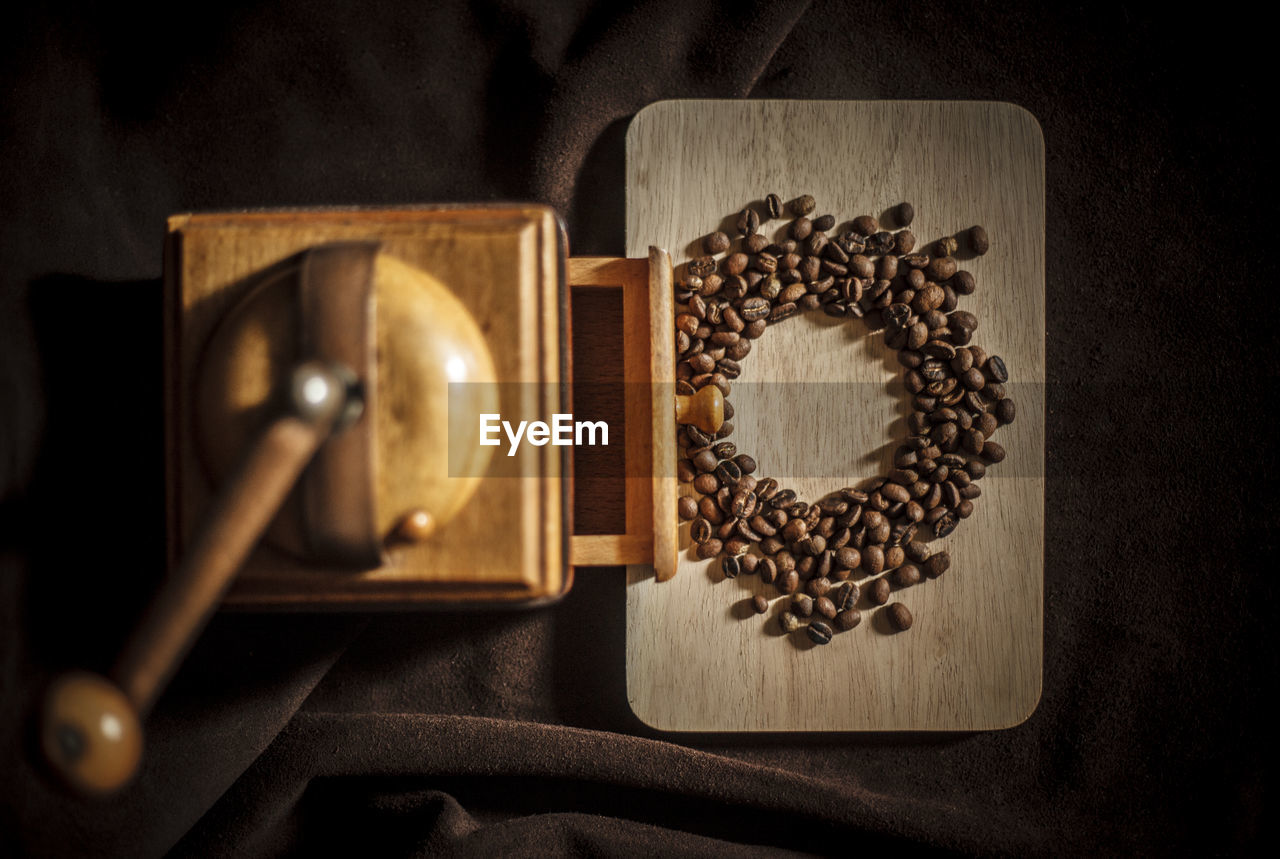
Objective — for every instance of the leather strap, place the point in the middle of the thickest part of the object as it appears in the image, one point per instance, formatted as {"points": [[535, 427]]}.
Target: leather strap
{"points": [[337, 324]]}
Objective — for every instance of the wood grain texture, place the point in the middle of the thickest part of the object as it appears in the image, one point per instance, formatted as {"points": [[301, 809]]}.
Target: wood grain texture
{"points": [[697, 660], [503, 263]]}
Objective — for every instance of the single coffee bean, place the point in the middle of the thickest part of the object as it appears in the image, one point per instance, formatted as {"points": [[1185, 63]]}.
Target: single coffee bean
{"points": [[703, 266], [945, 524], [709, 549], [978, 240], [946, 246], [707, 484], [1005, 411], [937, 565], [731, 567], [918, 552], [686, 507], [803, 205], [748, 222], [899, 616], [685, 472], [715, 243], [996, 369], [819, 632], [903, 214], [973, 441], [865, 225], [705, 461], [824, 223], [878, 591], [789, 622], [907, 575], [759, 604], [848, 619], [773, 206], [700, 530], [801, 228], [825, 607], [940, 269], [755, 243], [880, 243], [993, 452], [873, 559], [802, 605], [788, 582], [755, 308], [767, 570], [744, 504]]}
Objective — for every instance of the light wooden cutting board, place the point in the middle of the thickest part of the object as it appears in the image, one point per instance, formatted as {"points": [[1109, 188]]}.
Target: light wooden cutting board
{"points": [[696, 659]]}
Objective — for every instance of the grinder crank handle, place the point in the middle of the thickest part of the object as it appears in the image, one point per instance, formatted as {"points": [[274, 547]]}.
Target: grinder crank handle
{"points": [[90, 730]]}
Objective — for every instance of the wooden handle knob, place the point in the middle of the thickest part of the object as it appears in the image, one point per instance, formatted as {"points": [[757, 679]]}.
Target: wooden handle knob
{"points": [[90, 733], [705, 409]]}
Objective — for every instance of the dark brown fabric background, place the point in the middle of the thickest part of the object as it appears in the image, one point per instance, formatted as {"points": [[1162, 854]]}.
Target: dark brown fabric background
{"points": [[509, 733]]}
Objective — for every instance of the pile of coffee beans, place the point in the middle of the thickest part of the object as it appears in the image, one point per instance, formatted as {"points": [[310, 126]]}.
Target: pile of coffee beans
{"points": [[855, 544]]}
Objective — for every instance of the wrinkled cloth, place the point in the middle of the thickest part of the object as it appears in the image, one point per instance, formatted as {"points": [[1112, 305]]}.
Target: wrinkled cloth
{"points": [[500, 733]]}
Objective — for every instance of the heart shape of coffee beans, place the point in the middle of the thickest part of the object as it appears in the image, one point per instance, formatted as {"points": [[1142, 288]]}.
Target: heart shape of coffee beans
{"points": [[878, 533]]}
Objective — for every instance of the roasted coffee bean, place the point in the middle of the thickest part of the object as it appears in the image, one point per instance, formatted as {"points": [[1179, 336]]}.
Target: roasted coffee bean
{"points": [[896, 493], [788, 581], [754, 329], [802, 205], [705, 461], [762, 526], [767, 570], [918, 552], [878, 591], [707, 484], [686, 507], [825, 607], [899, 616], [819, 586], [731, 567], [904, 242], [759, 604], [996, 369], [709, 549], [755, 243], [702, 363], [819, 632], [865, 225], [940, 268], [848, 619], [736, 546], [755, 308], [783, 498], [814, 545], [978, 241], [945, 524], [748, 222], [711, 511], [973, 441], [906, 575], [685, 472], [715, 243], [964, 509], [963, 283], [937, 564], [703, 266], [945, 246], [738, 351], [872, 560], [1005, 411], [824, 222], [789, 622], [801, 606], [750, 563], [785, 561], [783, 311], [993, 452], [800, 228], [744, 505], [724, 449], [700, 530]]}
